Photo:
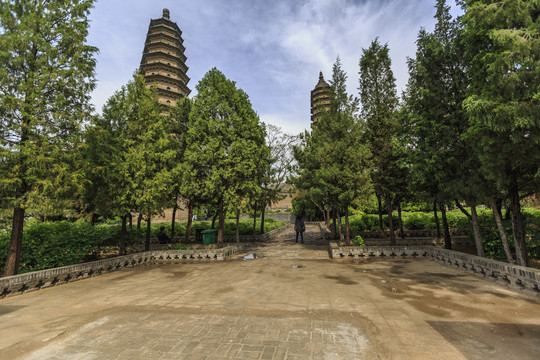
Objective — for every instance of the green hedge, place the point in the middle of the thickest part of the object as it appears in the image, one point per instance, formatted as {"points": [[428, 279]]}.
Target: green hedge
{"points": [[457, 220], [245, 227], [53, 244]]}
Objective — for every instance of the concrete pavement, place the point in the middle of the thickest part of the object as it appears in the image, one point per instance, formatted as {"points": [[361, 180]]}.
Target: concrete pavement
{"points": [[289, 302]]}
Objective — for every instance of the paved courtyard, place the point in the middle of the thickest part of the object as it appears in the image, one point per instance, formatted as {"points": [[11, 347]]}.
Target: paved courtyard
{"points": [[289, 302]]}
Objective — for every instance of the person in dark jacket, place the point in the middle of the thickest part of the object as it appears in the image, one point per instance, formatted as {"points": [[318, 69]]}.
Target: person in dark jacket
{"points": [[299, 227], [162, 237]]}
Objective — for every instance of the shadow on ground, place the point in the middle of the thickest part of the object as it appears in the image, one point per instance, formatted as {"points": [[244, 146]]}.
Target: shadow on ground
{"points": [[492, 341]]}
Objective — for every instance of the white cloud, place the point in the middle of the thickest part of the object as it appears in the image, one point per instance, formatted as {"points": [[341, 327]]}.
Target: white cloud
{"points": [[273, 49]]}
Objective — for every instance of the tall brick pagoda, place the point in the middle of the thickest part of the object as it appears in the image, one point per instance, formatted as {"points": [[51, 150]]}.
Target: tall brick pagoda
{"points": [[163, 62], [320, 99]]}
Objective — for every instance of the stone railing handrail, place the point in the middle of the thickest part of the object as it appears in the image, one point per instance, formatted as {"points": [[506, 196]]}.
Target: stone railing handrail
{"points": [[408, 233], [17, 284], [514, 276]]}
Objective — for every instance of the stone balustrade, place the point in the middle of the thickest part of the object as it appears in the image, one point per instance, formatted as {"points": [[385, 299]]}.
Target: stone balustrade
{"points": [[514, 276], [456, 241], [18, 284], [407, 233], [412, 237]]}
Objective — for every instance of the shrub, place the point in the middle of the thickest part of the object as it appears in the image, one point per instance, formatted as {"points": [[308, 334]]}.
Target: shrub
{"points": [[358, 241], [418, 221], [54, 244], [177, 247]]}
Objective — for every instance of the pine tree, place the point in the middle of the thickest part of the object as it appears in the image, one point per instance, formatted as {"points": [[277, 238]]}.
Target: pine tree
{"points": [[379, 105], [46, 76], [333, 160], [224, 142], [503, 103], [134, 155], [441, 158], [177, 126]]}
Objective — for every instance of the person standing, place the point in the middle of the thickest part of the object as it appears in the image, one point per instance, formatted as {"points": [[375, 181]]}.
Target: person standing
{"points": [[162, 237], [299, 227]]}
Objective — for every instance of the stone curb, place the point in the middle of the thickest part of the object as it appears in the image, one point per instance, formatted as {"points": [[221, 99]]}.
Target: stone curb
{"points": [[19, 284], [513, 276]]}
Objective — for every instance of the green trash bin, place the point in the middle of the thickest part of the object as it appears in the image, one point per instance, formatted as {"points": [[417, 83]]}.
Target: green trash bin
{"points": [[209, 236]]}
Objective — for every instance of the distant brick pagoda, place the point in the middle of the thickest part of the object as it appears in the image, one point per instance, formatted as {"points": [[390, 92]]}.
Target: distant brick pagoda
{"points": [[320, 98], [163, 62]]}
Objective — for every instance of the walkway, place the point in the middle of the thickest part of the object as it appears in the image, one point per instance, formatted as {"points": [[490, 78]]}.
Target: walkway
{"points": [[292, 302]]}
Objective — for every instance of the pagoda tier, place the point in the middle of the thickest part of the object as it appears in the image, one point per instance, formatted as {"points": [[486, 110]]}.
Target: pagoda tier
{"points": [[320, 98], [167, 61], [163, 60]]}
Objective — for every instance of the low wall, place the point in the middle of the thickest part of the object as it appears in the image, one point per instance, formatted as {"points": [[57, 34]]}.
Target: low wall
{"points": [[18, 284], [412, 238], [456, 241], [516, 277], [407, 233]]}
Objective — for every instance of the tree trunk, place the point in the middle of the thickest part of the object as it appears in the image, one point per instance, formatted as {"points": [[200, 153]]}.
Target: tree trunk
{"points": [[139, 219], [130, 218], [502, 234], [340, 230], [499, 205], [463, 210], [237, 225], [221, 223], [335, 231], [347, 232], [508, 213], [147, 240], [400, 221], [254, 222], [447, 238], [327, 218], [436, 218], [517, 224], [380, 215], [262, 218], [476, 231], [189, 222], [173, 220], [390, 220], [17, 227], [214, 219], [15, 245], [122, 247]]}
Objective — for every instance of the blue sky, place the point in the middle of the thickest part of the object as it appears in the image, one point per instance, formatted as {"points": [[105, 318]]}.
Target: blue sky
{"points": [[273, 49]]}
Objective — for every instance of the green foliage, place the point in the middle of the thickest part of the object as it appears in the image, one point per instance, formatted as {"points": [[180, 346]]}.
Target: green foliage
{"points": [[46, 77], [54, 244], [332, 160], [503, 49], [225, 145], [245, 225], [418, 220], [358, 241], [441, 160], [177, 247], [379, 104]]}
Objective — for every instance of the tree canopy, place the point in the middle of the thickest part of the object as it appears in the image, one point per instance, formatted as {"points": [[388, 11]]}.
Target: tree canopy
{"points": [[46, 76], [225, 143]]}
